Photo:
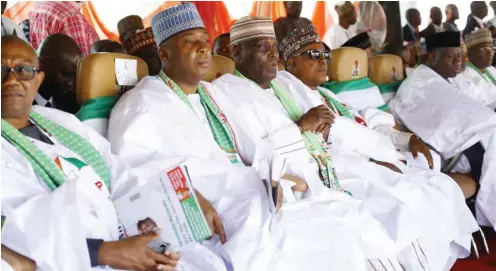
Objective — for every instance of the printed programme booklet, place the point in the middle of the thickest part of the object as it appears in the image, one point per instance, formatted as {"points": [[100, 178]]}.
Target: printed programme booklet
{"points": [[167, 202]]}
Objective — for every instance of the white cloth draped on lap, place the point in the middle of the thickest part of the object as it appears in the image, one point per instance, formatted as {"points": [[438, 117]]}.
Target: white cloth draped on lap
{"points": [[151, 121], [481, 86], [51, 227], [450, 121], [351, 151]]}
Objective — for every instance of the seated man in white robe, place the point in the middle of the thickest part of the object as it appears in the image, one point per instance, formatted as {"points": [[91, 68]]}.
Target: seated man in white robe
{"points": [[430, 104], [307, 60], [175, 114], [57, 180], [480, 54], [270, 103]]}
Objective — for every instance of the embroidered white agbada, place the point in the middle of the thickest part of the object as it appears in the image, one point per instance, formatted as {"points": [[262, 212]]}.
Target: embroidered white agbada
{"points": [[450, 121], [332, 229], [52, 227], [438, 211], [481, 85]]}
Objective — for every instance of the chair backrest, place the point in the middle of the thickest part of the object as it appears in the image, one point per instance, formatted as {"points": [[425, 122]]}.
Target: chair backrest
{"points": [[386, 69], [96, 75], [348, 63], [220, 65]]}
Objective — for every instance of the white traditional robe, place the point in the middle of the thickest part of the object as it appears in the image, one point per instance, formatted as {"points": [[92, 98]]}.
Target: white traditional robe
{"points": [[52, 227], [451, 121], [481, 86], [436, 224], [331, 229]]}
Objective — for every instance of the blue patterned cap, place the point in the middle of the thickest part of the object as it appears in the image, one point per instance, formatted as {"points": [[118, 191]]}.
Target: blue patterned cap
{"points": [[174, 20]]}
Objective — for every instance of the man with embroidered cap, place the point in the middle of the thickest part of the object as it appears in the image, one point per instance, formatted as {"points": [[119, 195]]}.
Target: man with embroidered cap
{"points": [[305, 59], [216, 149], [479, 70], [142, 44], [59, 181], [361, 41], [441, 112], [341, 32], [280, 109]]}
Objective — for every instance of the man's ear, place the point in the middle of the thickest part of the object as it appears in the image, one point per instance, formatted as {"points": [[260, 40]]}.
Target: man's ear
{"points": [[162, 53], [236, 53], [291, 65], [432, 57]]}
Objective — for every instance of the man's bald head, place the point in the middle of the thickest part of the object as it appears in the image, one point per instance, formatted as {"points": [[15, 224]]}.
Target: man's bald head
{"points": [[107, 46], [59, 56], [20, 80]]}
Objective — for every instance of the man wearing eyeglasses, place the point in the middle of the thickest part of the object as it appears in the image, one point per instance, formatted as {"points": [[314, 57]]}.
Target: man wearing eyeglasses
{"points": [[479, 70], [58, 178], [278, 107]]}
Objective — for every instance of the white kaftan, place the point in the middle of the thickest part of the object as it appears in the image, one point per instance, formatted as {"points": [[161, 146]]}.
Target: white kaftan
{"points": [[451, 121], [151, 121], [413, 219], [52, 227]]}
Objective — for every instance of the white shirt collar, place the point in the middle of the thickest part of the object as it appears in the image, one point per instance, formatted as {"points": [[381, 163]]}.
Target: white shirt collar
{"points": [[479, 21], [42, 101]]}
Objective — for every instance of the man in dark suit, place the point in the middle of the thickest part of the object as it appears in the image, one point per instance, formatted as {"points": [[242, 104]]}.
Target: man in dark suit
{"points": [[435, 26], [478, 10], [410, 30]]}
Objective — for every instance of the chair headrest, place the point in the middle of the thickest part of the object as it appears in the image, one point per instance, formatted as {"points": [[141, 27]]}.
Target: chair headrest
{"points": [[347, 64], [386, 69], [220, 65], [96, 75]]}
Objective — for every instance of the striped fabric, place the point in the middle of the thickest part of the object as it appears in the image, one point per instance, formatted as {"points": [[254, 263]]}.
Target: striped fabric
{"points": [[42, 165], [388, 91], [359, 94], [175, 20], [248, 28]]}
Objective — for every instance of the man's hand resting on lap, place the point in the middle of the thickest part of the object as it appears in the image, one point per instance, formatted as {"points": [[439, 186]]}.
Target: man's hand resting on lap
{"points": [[133, 253]]}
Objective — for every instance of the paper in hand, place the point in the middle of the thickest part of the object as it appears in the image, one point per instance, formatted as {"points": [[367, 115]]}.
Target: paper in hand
{"points": [[126, 71]]}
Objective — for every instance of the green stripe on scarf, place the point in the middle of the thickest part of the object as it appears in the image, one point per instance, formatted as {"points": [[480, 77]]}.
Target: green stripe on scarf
{"points": [[486, 72], [97, 108], [351, 85], [216, 119], [313, 144], [339, 106], [42, 164], [384, 108], [389, 87]]}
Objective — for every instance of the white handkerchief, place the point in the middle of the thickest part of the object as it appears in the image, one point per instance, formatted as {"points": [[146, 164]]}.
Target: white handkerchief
{"points": [[126, 71]]}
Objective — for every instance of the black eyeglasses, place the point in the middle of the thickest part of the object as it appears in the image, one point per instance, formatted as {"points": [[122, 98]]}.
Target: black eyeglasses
{"points": [[316, 54], [264, 47], [21, 72]]}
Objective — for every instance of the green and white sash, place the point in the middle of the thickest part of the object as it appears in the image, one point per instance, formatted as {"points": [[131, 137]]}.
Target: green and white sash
{"points": [[42, 164], [485, 72], [313, 144], [331, 102], [223, 133], [97, 108], [359, 94], [388, 91]]}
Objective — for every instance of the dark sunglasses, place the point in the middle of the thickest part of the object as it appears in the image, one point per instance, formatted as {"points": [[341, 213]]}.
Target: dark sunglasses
{"points": [[21, 72], [316, 54]]}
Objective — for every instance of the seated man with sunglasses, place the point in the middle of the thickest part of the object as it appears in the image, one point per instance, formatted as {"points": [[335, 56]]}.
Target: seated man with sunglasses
{"points": [[277, 107]]}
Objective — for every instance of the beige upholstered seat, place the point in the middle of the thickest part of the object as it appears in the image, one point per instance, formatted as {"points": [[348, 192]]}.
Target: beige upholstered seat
{"points": [[96, 76], [386, 69], [347, 64], [220, 66]]}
